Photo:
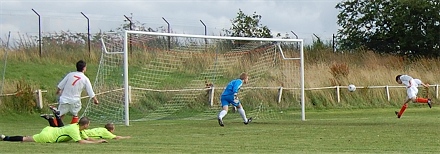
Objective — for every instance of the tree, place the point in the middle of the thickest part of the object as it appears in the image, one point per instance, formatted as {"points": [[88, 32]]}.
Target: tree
{"points": [[405, 27], [137, 26], [248, 26]]}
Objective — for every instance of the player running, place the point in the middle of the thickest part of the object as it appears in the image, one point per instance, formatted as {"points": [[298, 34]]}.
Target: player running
{"points": [[230, 96], [70, 89], [411, 90]]}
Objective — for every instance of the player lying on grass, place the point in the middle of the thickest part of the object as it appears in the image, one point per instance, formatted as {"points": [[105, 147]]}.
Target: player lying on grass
{"points": [[105, 132], [58, 134], [230, 96], [411, 90]]}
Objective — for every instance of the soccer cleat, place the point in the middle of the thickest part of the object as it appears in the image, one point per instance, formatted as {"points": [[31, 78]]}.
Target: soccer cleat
{"points": [[397, 113], [46, 116], [248, 121], [2, 137], [429, 103], [54, 110], [220, 122]]}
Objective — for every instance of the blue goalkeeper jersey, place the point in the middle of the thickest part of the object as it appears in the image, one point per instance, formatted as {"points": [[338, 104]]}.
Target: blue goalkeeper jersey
{"points": [[233, 87]]}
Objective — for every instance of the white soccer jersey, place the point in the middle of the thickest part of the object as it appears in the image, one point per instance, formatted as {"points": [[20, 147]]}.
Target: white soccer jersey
{"points": [[418, 82], [72, 86], [408, 81]]}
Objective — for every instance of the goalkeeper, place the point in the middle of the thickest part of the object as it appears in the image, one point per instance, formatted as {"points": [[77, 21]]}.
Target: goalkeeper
{"points": [[230, 96]]}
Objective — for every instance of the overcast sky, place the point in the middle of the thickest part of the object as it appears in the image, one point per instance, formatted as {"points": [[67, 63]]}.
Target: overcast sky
{"points": [[303, 17]]}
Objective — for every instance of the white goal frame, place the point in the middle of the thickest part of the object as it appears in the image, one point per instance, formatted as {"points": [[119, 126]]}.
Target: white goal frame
{"points": [[126, 58]]}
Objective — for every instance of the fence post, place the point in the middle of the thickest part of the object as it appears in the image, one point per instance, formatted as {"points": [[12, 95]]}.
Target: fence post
{"points": [[280, 94], [387, 89], [39, 98], [436, 91], [338, 97], [211, 96]]}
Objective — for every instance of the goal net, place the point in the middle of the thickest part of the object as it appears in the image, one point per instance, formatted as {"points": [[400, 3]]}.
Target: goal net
{"points": [[153, 76]]}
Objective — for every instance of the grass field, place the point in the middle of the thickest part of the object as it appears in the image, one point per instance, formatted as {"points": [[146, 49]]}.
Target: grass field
{"points": [[363, 122], [324, 131]]}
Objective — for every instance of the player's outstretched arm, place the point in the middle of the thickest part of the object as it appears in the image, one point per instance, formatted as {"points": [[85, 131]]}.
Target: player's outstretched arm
{"points": [[407, 100], [122, 137], [95, 100], [92, 141]]}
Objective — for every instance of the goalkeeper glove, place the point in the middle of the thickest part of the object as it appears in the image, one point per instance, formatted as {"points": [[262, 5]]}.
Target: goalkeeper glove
{"points": [[236, 98]]}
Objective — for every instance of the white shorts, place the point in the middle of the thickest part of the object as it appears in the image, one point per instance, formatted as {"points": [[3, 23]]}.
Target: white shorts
{"points": [[412, 92], [73, 108]]}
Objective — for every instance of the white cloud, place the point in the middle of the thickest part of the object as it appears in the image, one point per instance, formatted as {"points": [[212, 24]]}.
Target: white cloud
{"points": [[5, 30]]}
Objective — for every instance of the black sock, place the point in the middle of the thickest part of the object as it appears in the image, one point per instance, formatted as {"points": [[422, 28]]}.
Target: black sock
{"points": [[60, 122], [51, 123], [13, 138], [58, 119]]}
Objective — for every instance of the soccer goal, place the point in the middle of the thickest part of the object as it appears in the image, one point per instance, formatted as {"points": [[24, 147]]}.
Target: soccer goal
{"points": [[152, 76]]}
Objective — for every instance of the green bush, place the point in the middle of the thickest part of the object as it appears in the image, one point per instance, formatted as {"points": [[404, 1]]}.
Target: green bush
{"points": [[23, 100]]}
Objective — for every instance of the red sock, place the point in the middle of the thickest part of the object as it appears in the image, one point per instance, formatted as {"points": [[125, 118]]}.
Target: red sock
{"points": [[421, 100], [74, 120], [402, 110], [55, 122]]}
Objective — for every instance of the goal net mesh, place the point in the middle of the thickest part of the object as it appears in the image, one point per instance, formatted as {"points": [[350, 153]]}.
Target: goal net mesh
{"points": [[182, 77]]}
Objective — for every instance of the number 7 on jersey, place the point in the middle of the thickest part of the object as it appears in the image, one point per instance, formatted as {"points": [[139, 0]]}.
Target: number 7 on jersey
{"points": [[76, 80]]}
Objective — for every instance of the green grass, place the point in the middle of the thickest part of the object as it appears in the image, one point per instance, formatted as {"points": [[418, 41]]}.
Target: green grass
{"points": [[45, 75], [324, 131]]}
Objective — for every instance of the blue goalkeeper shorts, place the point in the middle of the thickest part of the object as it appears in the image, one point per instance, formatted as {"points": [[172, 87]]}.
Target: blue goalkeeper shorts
{"points": [[228, 99]]}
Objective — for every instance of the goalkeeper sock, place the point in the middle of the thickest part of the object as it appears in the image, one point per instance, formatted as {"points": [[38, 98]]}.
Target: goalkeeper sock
{"points": [[74, 120], [421, 100], [242, 113], [13, 138], [222, 114], [402, 110]]}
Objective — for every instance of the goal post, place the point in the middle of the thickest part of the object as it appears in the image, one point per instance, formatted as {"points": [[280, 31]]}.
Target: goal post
{"points": [[151, 76]]}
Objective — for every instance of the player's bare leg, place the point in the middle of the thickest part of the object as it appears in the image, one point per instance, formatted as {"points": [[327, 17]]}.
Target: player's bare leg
{"points": [[28, 139]]}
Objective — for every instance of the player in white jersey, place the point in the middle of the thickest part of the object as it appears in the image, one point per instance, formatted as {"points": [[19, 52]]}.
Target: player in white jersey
{"points": [[70, 89], [411, 85], [420, 83]]}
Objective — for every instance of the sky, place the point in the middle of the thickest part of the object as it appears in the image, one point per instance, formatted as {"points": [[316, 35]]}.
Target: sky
{"points": [[302, 17]]}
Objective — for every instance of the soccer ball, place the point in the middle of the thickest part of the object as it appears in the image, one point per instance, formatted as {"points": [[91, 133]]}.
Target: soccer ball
{"points": [[351, 87]]}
